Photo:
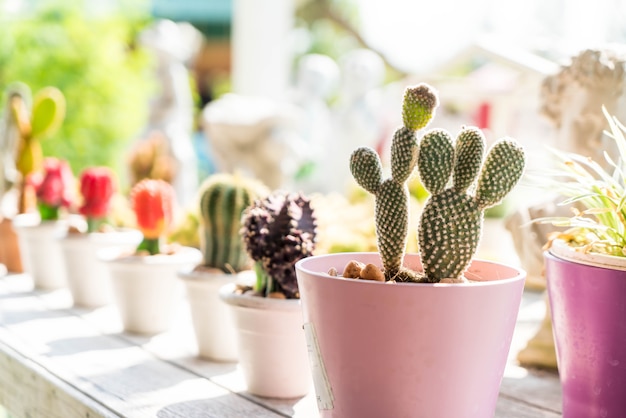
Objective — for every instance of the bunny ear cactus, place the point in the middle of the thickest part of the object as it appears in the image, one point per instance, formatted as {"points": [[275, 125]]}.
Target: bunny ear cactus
{"points": [[96, 187], [223, 198], [451, 222], [33, 124], [391, 195], [277, 232], [153, 203]]}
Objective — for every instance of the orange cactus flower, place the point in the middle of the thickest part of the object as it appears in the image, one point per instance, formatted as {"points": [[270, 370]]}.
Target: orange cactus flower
{"points": [[153, 202]]}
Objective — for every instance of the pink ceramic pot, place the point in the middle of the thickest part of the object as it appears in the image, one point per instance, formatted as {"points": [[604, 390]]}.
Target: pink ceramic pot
{"points": [[589, 322], [407, 350]]}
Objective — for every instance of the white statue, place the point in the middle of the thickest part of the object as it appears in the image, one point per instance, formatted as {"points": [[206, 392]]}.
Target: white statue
{"points": [[316, 79], [256, 136], [172, 110], [572, 101], [357, 115]]}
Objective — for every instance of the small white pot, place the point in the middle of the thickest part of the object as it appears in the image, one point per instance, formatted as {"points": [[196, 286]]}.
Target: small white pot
{"points": [[272, 346], [88, 279], [212, 320], [40, 248], [146, 289]]}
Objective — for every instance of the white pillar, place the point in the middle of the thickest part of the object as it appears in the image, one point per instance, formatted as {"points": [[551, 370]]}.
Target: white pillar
{"points": [[261, 47]]}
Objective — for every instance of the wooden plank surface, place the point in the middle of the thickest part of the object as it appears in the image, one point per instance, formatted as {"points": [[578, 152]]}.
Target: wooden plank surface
{"points": [[60, 361]]}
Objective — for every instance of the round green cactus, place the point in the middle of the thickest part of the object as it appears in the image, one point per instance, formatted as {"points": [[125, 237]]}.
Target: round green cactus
{"points": [[223, 198]]}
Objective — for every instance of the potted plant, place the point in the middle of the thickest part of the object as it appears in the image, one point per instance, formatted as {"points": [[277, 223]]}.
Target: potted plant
{"points": [[586, 281], [145, 285], [223, 198], [277, 231], [87, 279], [429, 334], [25, 121], [39, 231]]}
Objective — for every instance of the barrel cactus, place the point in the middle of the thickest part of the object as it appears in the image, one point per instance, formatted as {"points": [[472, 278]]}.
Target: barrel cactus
{"points": [[451, 222], [223, 198], [391, 195], [277, 232]]}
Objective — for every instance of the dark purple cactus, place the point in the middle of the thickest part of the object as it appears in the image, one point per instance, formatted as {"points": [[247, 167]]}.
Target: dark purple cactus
{"points": [[277, 232]]}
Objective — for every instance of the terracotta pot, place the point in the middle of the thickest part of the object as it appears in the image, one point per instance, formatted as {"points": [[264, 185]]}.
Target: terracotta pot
{"points": [[587, 298], [213, 322], [88, 280], [41, 253], [146, 288], [10, 254], [408, 350], [272, 347]]}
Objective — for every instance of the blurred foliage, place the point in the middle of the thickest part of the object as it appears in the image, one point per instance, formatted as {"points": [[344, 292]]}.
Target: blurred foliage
{"points": [[94, 61]]}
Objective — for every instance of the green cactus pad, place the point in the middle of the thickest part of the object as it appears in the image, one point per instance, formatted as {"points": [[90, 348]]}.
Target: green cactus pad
{"points": [[436, 160], [502, 170], [450, 228], [403, 154], [419, 106], [470, 146], [366, 169], [392, 218]]}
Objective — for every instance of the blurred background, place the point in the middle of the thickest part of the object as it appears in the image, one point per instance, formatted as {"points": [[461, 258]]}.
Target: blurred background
{"points": [[284, 90]]}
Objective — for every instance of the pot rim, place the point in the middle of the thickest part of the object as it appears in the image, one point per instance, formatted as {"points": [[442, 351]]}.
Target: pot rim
{"points": [[256, 302], [562, 250], [475, 280], [190, 274]]}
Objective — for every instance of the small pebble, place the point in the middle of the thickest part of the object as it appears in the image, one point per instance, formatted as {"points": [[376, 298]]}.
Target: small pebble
{"points": [[372, 272], [277, 295], [353, 269], [332, 272]]}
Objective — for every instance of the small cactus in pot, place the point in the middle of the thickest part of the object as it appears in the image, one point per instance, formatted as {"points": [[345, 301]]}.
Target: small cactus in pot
{"points": [[451, 221], [153, 203], [53, 186], [97, 187], [223, 198], [278, 231]]}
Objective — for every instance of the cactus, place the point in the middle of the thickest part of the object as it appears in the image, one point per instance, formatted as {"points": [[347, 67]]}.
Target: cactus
{"points": [[277, 232], [391, 195], [32, 124], [451, 222], [153, 203], [97, 188], [223, 198], [53, 186]]}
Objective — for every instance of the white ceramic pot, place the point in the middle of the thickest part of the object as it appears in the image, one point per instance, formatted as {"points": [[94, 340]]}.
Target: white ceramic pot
{"points": [[212, 320], [41, 253], [146, 288], [272, 346], [88, 279]]}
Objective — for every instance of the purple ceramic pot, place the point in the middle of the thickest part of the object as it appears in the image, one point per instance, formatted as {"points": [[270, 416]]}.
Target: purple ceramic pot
{"points": [[589, 321]]}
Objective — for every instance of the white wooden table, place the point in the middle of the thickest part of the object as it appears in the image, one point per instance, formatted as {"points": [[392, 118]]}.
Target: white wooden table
{"points": [[57, 361]]}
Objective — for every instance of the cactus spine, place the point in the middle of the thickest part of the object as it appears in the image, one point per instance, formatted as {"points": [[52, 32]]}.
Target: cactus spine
{"points": [[391, 195], [451, 222], [223, 198]]}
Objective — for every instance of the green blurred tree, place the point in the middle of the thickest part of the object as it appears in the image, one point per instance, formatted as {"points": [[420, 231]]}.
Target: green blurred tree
{"points": [[94, 61]]}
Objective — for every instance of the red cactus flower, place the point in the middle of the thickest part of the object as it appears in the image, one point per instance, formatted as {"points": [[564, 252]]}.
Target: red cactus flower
{"points": [[97, 188], [152, 201], [54, 187]]}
